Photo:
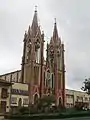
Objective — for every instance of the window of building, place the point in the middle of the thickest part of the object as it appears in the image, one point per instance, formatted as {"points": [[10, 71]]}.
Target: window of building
{"points": [[25, 101], [86, 98], [81, 98], [14, 80], [71, 96], [13, 100], [77, 98], [4, 93], [71, 105], [68, 96]]}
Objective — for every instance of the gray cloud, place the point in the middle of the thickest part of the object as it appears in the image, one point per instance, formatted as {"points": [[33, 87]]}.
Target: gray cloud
{"points": [[73, 20]]}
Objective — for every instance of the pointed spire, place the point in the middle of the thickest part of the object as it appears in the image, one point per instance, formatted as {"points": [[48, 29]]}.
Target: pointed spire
{"points": [[25, 36], [51, 41], [29, 30], [55, 31], [59, 41], [34, 22]]}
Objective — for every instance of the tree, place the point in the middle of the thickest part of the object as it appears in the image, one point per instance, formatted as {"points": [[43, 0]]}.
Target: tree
{"points": [[86, 86], [45, 102]]}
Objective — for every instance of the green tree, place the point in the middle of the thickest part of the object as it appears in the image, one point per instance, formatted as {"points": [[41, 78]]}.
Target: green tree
{"points": [[45, 102], [86, 86]]}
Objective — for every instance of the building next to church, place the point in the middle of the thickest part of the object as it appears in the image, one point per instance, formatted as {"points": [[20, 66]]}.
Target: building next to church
{"points": [[12, 95], [42, 77], [4, 95], [19, 95], [74, 97]]}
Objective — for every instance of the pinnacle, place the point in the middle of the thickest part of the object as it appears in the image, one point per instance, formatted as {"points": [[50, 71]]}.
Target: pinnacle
{"points": [[34, 23], [55, 31]]}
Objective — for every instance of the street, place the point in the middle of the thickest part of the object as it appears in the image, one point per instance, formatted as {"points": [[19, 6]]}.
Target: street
{"points": [[79, 118]]}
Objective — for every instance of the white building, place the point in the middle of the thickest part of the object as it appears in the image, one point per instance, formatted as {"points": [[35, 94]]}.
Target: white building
{"points": [[73, 97]]}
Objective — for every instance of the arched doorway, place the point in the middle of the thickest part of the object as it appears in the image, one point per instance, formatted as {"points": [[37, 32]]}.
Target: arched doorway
{"points": [[60, 101], [20, 102], [35, 98]]}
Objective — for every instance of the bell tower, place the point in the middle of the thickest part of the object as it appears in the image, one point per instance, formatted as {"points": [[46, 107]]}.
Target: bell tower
{"points": [[33, 56], [55, 59]]}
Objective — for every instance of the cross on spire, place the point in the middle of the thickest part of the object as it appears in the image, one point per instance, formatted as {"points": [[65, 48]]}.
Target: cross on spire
{"points": [[35, 8]]}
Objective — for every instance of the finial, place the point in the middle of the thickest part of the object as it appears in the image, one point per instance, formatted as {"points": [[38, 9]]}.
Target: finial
{"points": [[55, 20], [42, 32], [25, 32], [29, 28], [25, 35], [35, 8], [47, 42], [62, 42]]}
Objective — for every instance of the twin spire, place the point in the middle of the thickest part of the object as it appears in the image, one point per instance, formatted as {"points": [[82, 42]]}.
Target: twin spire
{"points": [[34, 27]]}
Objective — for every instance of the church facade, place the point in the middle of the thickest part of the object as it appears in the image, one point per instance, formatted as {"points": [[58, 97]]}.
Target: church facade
{"points": [[44, 77]]}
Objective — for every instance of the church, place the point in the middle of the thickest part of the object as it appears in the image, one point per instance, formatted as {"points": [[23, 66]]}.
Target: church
{"points": [[44, 77]]}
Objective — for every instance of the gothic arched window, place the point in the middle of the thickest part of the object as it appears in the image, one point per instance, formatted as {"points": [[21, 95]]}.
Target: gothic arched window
{"points": [[29, 47], [37, 49], [37, 44]]}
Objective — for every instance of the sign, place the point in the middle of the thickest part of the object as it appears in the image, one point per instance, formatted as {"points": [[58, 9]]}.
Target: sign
{"points": [[18, 91]]}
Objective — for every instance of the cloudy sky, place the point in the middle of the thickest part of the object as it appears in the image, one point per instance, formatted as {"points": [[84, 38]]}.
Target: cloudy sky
{"points": [[73, 20]]}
